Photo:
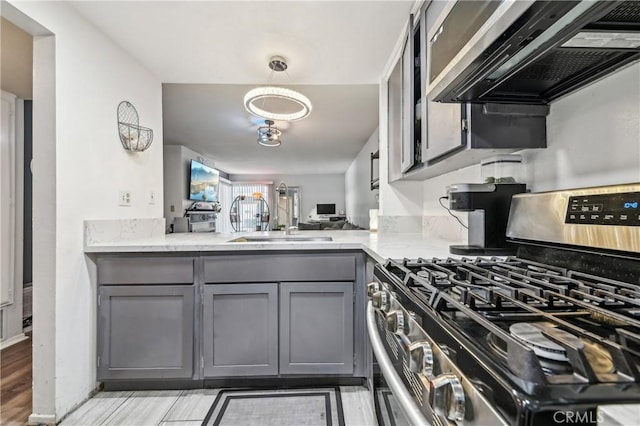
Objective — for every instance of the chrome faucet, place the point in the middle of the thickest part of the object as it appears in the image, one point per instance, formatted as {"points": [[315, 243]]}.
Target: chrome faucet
{"points": [[290, 230], [284, 189]]}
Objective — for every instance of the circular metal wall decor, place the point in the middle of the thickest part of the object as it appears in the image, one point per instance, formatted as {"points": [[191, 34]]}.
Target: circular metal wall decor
{"points": [[133, 136]]}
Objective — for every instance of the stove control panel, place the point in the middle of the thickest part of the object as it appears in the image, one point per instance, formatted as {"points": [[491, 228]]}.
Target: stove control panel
{"points": [[436, 384], [620, 209]]}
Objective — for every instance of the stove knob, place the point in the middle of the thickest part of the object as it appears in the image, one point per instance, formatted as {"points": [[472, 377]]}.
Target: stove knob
{"points": [[372, 288], [396, 322], [380, 300], [421, 361], [447, 397]]}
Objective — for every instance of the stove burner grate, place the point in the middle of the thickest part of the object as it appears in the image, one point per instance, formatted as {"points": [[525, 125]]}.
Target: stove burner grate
{"points": [[592, 327]]}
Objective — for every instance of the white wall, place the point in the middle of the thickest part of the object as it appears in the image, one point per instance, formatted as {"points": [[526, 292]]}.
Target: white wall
{"points": [[359, 197], [315, 189], [593, 136], [92, 76]]}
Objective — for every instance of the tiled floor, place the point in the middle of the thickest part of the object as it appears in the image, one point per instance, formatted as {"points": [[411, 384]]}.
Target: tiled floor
{"points": [[186, 408]]}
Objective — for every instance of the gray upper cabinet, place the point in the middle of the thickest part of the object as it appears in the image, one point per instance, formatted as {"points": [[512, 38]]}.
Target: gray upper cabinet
{"points": [[408, 104], [240, 330], [394, 122], [434, 138], [444, 136], [145, 332], [443, 122], [316, 328]]}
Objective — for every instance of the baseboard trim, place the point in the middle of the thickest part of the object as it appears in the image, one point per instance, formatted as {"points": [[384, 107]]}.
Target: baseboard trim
{"points": [[42, 419], [13, 340]]}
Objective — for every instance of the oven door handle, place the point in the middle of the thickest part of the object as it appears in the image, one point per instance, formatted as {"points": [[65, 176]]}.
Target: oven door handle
{"points": [[404, 398]]}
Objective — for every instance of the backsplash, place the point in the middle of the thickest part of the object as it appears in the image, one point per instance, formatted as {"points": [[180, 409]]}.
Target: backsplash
{"points": [[445, 228], [399, 224], [104, 231]]}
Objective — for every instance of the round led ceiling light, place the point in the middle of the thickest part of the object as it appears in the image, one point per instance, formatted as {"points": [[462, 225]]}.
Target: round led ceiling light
{"points": [[260, 96]]}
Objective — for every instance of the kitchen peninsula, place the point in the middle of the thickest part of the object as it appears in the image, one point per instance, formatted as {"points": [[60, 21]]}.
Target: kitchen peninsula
{"points": [[193, 310]]}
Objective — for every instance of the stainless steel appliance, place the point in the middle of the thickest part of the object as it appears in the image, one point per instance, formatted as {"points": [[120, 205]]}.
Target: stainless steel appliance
{"points": [[488, 206], [201, 220], [550, 336], [527, 51]]}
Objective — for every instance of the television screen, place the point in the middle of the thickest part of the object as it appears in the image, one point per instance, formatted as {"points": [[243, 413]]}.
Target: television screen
{"points": [[326, 209], [204, 183]]}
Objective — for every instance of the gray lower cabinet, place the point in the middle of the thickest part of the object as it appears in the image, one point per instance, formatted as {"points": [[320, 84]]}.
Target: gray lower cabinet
{"points": [[145, 332], [240, 329], [316, 328]]}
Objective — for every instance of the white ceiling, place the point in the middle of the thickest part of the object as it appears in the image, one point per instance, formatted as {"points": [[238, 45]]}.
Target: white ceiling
{"points": [[332, 47]]}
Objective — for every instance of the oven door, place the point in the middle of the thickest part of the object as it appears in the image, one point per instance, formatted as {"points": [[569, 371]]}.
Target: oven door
{"points": [[394, 404], [387, 410]]}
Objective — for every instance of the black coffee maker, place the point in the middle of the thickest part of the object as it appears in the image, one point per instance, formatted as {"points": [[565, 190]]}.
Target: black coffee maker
{"points": [[488, 206]]}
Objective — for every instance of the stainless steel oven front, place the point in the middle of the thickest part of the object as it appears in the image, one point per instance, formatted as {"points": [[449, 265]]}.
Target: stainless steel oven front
{"points": [[415, 381], [394, 402]]}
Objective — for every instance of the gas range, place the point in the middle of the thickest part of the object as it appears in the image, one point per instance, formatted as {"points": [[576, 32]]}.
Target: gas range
{"points": [[551, 336]]}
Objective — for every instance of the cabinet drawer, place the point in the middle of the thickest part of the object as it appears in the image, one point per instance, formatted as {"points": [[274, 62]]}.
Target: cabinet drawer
{"points": [[145, 270], [280, 267]]}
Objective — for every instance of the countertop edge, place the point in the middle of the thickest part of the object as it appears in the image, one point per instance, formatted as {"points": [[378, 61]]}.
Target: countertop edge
{"points": [[377, 246]]}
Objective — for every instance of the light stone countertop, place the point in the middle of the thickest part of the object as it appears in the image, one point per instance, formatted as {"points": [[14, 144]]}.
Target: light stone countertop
{"points": [[379, 246]]}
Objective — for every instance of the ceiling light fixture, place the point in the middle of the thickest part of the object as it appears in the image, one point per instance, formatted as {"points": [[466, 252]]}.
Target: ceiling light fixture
{"points": [[269, 135], [277, 64]]}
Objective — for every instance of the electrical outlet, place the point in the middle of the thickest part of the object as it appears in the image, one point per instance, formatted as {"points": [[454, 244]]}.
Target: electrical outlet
{"points": [[124, 198], [152, 197]]}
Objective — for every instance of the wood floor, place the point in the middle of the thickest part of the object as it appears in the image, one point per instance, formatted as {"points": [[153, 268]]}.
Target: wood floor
{"points": [[15, 383]]}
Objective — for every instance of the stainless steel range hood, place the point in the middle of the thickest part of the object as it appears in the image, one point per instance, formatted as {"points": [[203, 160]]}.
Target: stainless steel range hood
{"points": [[527, 51]]}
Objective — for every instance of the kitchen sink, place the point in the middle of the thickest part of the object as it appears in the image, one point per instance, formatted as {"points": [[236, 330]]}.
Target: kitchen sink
{"points": [[288, 238]]}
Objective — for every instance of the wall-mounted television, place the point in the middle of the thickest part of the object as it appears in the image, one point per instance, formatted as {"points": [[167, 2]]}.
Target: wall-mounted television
{"points": [[325, 209], [203, 185]]}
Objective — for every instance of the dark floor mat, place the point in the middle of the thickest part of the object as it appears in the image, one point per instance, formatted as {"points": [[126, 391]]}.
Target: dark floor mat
{"points": [[281, 407]]}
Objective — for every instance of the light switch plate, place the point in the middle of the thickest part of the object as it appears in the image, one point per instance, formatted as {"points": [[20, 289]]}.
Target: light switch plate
{"points": [[152, 197]]}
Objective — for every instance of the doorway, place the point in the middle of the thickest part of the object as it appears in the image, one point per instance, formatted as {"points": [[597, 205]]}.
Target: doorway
{"points": [[33, 393], [15, 219]]}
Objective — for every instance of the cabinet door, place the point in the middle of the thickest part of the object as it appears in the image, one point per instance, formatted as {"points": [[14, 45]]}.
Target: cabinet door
{"points": [[240, 330], [316, 328], [408, 105], [394, 122], [442, 122], [145, 332], [7, 198]]}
